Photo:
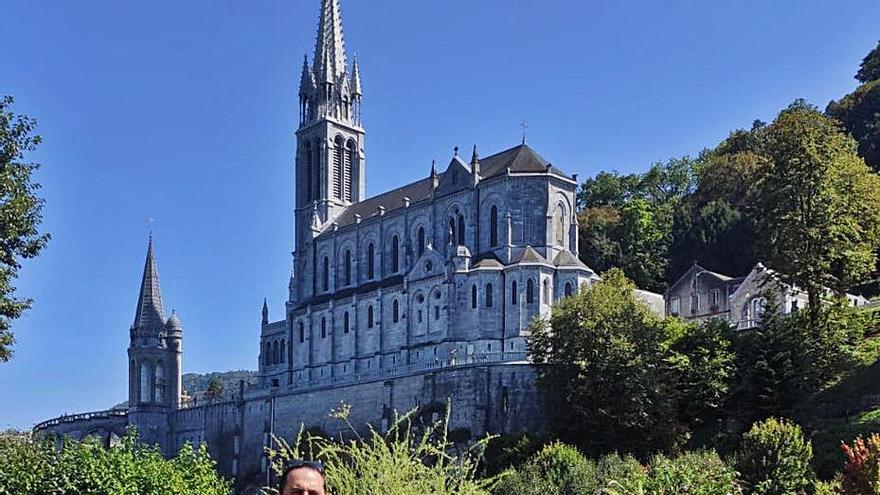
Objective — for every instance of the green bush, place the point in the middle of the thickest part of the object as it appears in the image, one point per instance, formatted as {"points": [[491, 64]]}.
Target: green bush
{"points": [[622, 475], [694, 473], [557, 468], [827, 488], [774, 459], [35, 467], [407, 460]]}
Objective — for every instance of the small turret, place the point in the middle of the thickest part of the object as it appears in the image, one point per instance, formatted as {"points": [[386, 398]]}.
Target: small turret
{"points": [[356, 86], [265, 313], [475, 165], [307, 81]]}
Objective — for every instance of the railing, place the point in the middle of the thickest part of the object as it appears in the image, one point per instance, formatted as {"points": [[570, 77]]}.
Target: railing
{"points": [[72, 418], [255, 391], [747, 324]]}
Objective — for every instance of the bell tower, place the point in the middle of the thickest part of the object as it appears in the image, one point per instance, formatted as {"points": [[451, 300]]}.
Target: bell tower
{"points": [[330, 139]]}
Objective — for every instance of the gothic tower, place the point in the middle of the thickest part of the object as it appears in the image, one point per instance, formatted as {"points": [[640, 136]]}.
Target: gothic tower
{"points": [[154, 354], [330, 139]]}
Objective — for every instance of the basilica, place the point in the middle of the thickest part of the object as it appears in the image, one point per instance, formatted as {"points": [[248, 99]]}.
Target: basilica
{"points": [[414, 297]]}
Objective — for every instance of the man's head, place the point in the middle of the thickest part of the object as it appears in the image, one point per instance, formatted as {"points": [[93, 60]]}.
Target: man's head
{"points": [[302, 478]]}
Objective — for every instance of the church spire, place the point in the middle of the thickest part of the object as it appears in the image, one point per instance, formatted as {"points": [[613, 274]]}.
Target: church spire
{"points": [[150, 314], [330, 60]]}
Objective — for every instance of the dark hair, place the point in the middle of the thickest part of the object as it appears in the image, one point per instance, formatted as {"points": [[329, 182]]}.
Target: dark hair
{"points": [[298, 464]]}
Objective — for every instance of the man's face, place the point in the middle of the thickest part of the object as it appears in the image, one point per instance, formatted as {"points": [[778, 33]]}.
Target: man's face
{"points": [[304, 481]]}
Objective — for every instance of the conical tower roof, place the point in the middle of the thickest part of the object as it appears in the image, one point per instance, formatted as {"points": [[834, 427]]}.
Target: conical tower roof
{"points": [[150, 314], [330, 60]]}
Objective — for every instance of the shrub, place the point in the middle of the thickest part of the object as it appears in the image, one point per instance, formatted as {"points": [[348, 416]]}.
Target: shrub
{"points": [[827, 488], [402, 461], [557, 468], [34, 467], [774, 459], [694, 473], [621, 475], [861, 474]]}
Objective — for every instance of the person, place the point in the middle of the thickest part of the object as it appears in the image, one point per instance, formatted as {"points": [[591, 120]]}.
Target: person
{"points": [[302, 478]]}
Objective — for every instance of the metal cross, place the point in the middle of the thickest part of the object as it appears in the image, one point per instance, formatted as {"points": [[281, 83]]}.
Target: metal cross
{"points": [[525, 127]]}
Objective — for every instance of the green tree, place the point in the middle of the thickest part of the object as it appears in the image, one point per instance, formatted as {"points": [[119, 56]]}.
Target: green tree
{"points": [[859, 114], [215, 389], [20, 209], [774, 459], [816, 206], [557, 468], [870, 67], [620, 376]]}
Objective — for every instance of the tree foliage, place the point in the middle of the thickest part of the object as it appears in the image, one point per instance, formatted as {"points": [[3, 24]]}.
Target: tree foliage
{"points": [[861, 474], [774, 459], [816, 205], [35, 467], [869, 70], [622, 379], [20, 214]]}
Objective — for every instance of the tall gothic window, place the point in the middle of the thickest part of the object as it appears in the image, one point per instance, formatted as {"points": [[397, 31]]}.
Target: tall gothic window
{"points": [[345, 322], [283, 351], [276, 357], [369, 317], [450, 234], [323, 327], [302, 332], [546, 292], [530, 291], [559, 224], [568, 289], [347, 268], [489, 296], [309, 180], [395, 311], [474, 296], [513, 293], [325, 275], [160, 382], [395, 254], [493, 227], [371, 261], [461, 230], [421, 241], [146, 382], [352, 165], [316, 170], [339, 169]]}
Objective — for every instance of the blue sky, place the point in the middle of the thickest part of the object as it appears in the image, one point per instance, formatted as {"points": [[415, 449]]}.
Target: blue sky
{"points": [[184, 112]]}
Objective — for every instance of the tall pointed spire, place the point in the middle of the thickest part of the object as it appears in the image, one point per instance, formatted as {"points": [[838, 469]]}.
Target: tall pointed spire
{"points": [[330, 60], [356, 86], [150, 314]]}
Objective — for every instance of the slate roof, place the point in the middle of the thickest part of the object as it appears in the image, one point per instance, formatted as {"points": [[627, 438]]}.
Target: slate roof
{"points": [[150, 314], [528, 255], [568, 259], [519, 159]]}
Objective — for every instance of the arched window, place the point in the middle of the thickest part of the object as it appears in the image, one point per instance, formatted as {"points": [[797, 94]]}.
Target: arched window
{"points": [[395, 311], [323, 328], [276, 357], [559, 225], [568, 289], [493, 227], [530, 291], [395, 254], [461, 230], [283, 350], [758, 305], [325, 275], [369, 317], [371, 261], [351, 165], [160, 382], [339, 169], [436, 312], [546, 292], [421, 240], [345, 322], [267, 354], [302, 333], [309, 179], [316, 167], [347, 267], [146, 382], [474, 296], [450, 234], [513, 293], [489, 296]]}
